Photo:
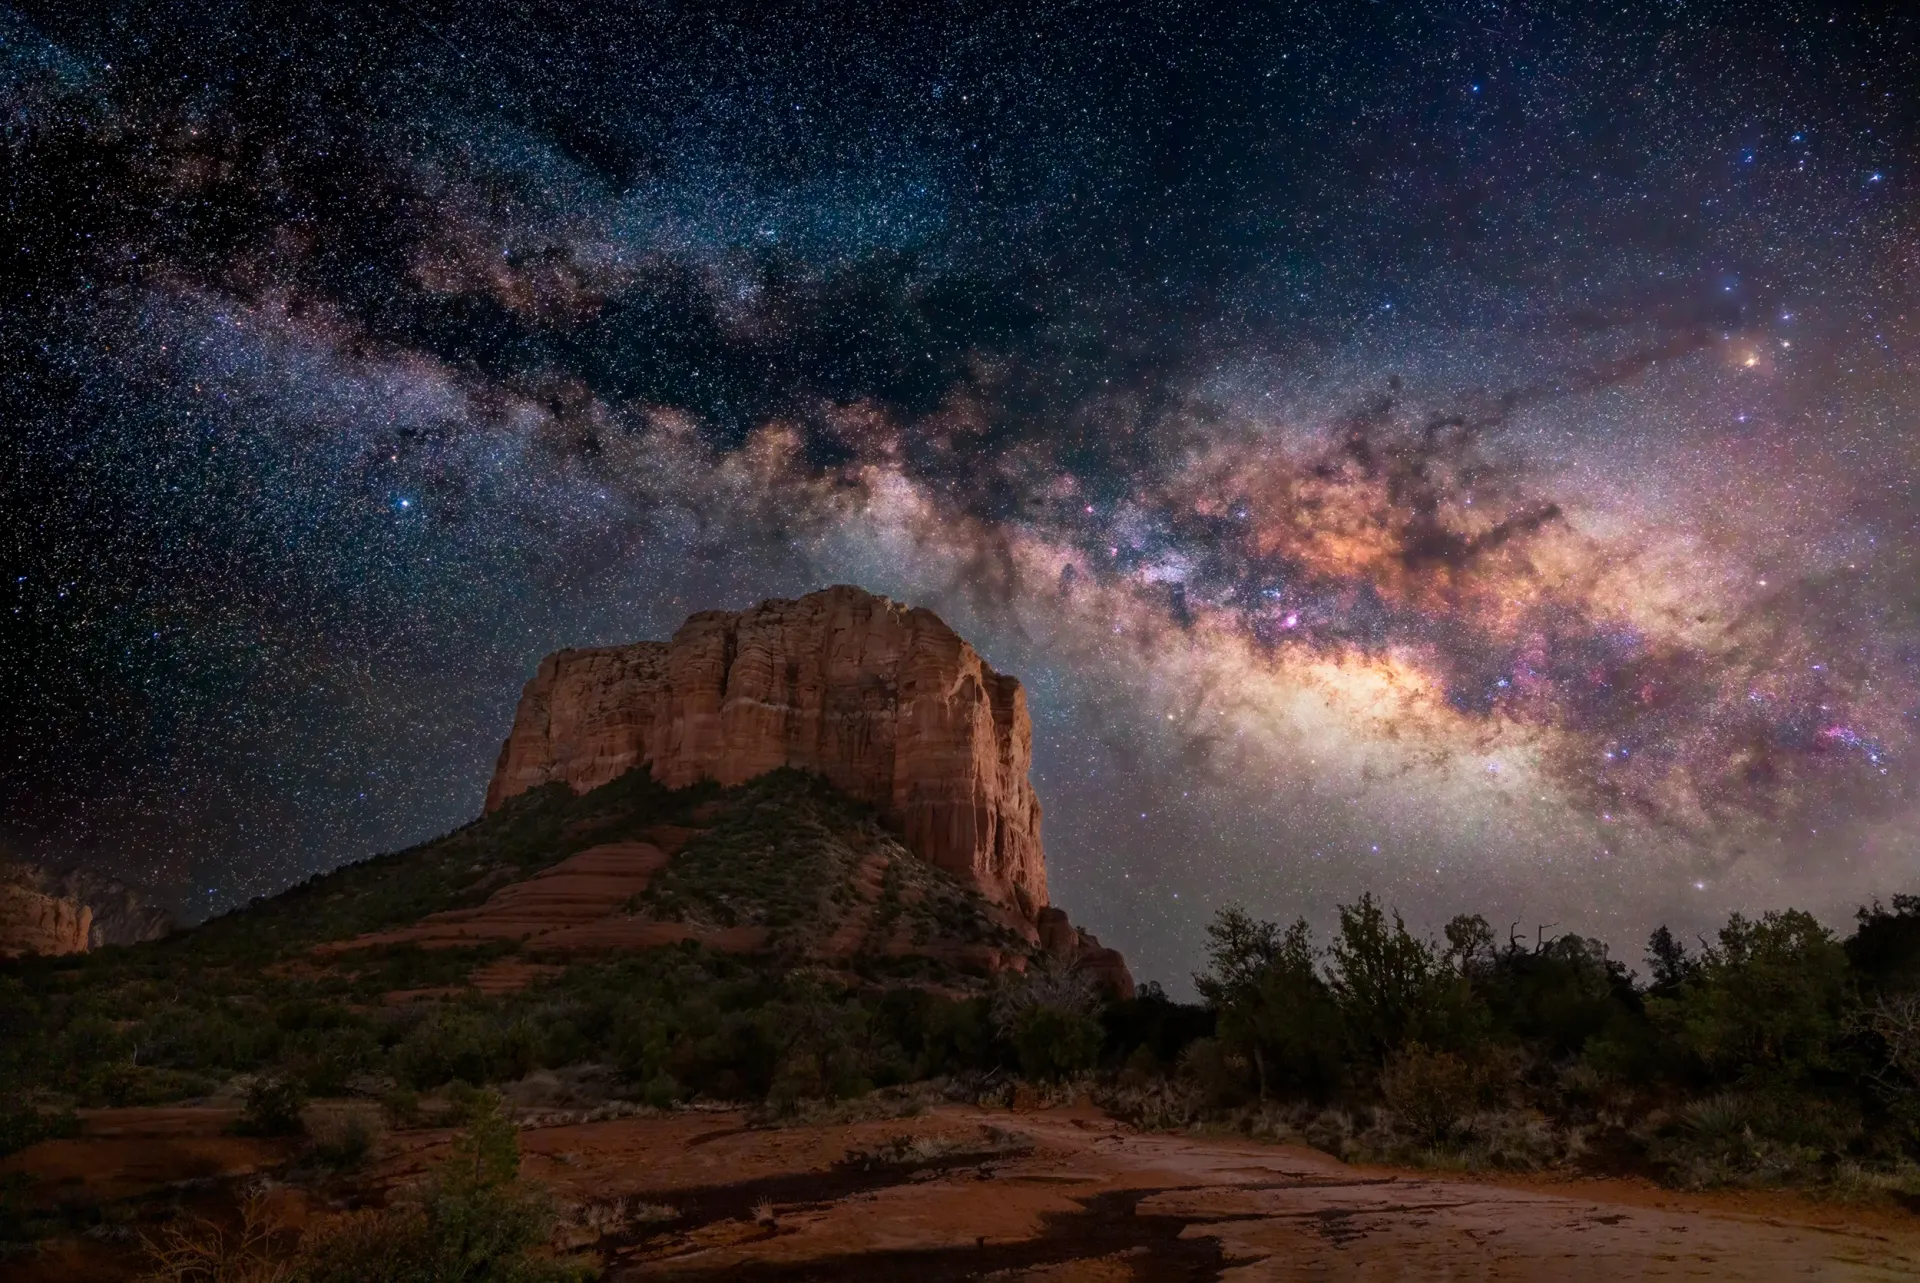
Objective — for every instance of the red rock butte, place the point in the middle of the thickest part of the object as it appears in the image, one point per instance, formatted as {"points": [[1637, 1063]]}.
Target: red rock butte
{"points": [[34, 922], [884, 700]]}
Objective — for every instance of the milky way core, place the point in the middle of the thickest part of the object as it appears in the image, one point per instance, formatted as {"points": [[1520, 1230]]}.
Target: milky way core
{"points": [[1461, 452]]}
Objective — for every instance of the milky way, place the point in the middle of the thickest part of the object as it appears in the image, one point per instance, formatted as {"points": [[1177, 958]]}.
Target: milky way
{"points": [[1459, 451]]}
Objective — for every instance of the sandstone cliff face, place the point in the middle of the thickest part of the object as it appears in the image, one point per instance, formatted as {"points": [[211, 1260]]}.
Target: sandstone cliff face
{"points": [[122, 914], [33, 922], [886, 702], [116, 913]]}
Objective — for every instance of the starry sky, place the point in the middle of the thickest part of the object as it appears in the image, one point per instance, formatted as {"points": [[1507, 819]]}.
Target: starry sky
{"points": [[1465, 451]]}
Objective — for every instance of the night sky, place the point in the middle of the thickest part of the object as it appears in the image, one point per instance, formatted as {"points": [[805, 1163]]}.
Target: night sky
{"points": [[1464, 451]]}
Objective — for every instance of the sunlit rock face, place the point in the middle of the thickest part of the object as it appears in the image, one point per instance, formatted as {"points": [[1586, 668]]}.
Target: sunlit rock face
{"points": [[884, 700]]}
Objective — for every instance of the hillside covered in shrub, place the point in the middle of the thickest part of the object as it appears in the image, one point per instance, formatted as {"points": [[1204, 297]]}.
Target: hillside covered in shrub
{"points": [[1775, 1052]]}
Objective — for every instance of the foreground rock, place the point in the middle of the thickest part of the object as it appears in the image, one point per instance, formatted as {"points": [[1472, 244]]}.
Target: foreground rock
{"points": [[886, 702], [959, 1192], [964, 1193]]}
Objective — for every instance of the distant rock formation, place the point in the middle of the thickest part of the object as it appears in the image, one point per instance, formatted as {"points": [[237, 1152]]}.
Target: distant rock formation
{"points": [[885, 701], [122, 914], [33, 922], [54, 913]]}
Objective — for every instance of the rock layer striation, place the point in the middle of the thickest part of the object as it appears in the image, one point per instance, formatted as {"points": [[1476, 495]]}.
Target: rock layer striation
{"points": [[885, 701]]}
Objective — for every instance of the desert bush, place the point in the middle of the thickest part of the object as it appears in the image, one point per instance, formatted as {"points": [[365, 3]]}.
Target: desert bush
{"points": [[1394, 988], [344, 1139], [471, 1221], [462, 1103], [450, 1044], [1221, 1076], [401, 1107], [1053, 1044], [23, 1123], [272, 1108], [1555, 997], [1306, 1025], [1890, 1026], [1156, 1103], [1431, 1091], [1155, 1024], [1884, 950], [121, 1084], [1050, 1017], [1754, 1138], [199, 1250], [1517, 1141], [1141, 1067]]}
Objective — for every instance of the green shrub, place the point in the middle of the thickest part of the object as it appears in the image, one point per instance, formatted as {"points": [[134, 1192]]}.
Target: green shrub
{"points": [[474, 1045], [1393, 988], [1222, 1076], [197, 1250], [466, 1102], [1430, 1091], [1769, 998], [1053, 1043], [1050, 1016], [471, 1221], [120, 1085], [22, 1124], [1155, 1024], [344, 1141], [272, 1108], [1272, 1005]]}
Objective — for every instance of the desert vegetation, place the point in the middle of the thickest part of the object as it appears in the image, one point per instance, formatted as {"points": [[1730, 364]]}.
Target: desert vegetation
{"points": [[785, 854], [1774, 1052], [470, 1219]]}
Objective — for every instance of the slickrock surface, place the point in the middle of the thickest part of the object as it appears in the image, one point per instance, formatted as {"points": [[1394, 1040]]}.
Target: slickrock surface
{"points": [[958, 1192], [33, 922], [1070, 1195], [885, 701]]}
